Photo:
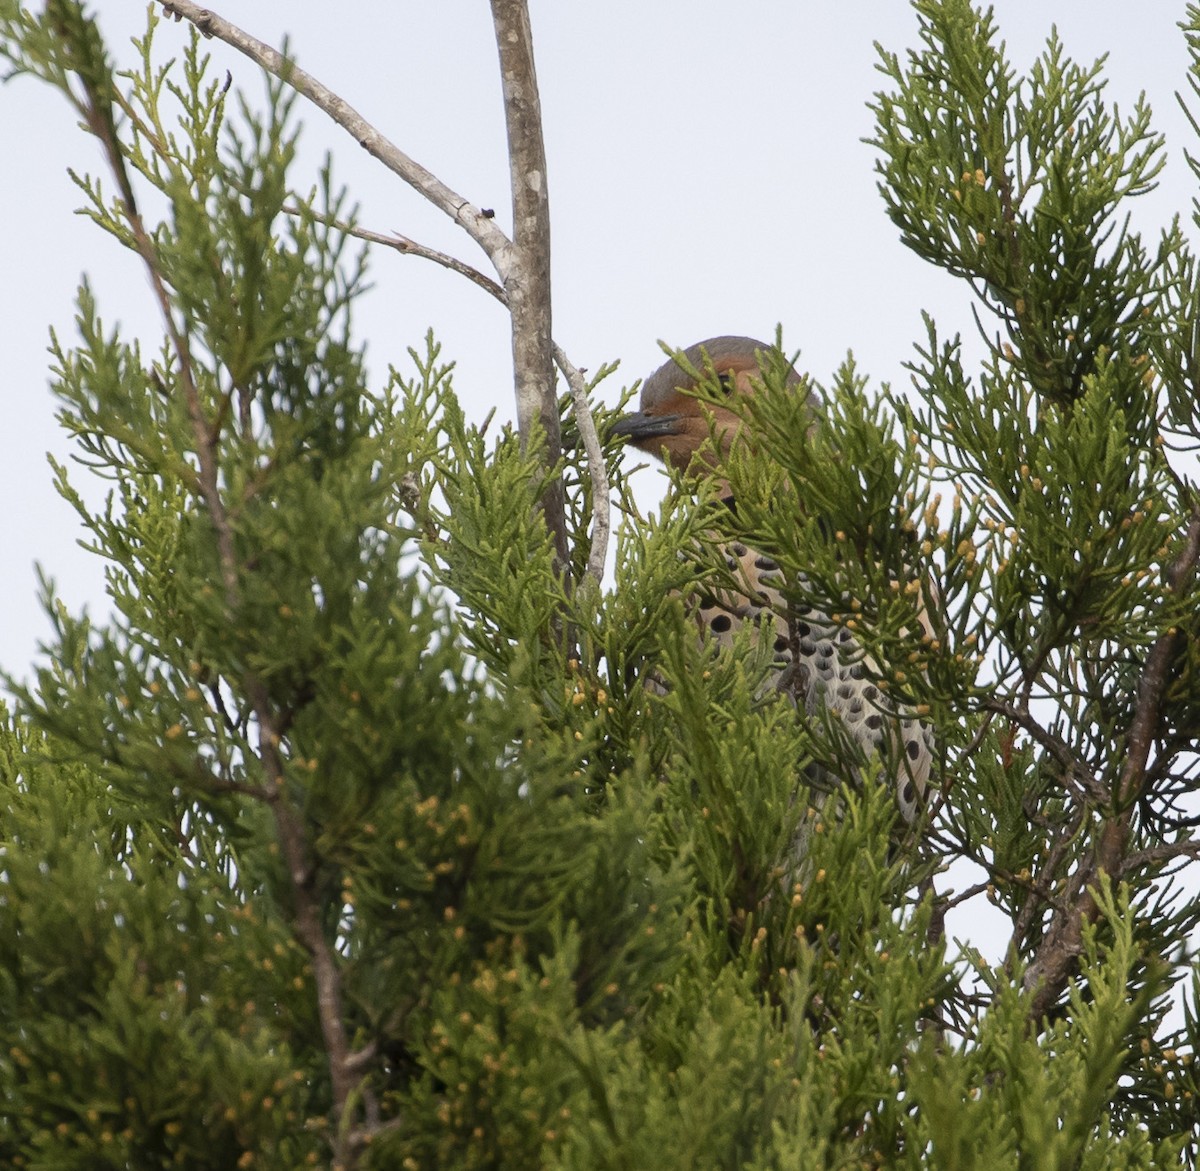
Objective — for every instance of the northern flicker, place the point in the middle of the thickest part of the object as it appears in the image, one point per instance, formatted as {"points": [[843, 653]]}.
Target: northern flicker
{"points": [[816, 660]]}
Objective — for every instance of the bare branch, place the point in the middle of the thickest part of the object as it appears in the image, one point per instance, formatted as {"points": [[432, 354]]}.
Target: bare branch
{"points": [[523, 264], [481, 228], [597, 469], [409, 248], [952, 901], [1157, 855], [528, 282]]}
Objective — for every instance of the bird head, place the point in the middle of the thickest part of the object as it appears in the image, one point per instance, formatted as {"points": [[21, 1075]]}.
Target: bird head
{"points": [[672, 423]]}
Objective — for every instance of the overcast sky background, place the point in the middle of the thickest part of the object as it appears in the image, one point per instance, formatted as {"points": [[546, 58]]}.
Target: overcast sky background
{"points": [[706, 173], [706, 176]]}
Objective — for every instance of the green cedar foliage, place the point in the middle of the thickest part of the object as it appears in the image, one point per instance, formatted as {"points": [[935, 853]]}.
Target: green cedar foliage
{"points": [[358, 835]]}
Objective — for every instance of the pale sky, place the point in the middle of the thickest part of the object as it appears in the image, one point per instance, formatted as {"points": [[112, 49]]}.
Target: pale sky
{"points": [[706, 176]]}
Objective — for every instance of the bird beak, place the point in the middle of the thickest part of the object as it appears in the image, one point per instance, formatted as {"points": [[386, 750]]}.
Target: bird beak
{"points": [[640, 425]]}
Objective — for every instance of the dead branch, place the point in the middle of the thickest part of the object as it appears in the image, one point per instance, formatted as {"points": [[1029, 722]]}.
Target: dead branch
{"points": [[528, 282], [522, 264], [597, 470], [480, 227], [1162, 855]]}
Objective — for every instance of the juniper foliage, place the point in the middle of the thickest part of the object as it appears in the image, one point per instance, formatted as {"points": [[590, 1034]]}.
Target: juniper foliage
{"points": [[361, 835]]}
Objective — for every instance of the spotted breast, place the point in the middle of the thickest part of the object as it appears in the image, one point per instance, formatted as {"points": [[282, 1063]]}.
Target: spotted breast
{"points": [[815, 659]]}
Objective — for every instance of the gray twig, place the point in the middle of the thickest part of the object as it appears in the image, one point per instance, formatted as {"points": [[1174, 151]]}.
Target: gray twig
{"points": [[480, 227], [597, 469], [523, 267], [528, 281]]}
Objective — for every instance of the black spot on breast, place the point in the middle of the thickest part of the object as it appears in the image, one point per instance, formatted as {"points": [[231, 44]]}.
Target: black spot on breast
{"points": [[870, 693], [909, 794], [765, 563], [825, 649], [781, 643], [803, 630], [721, 623], [913, 749], [875, 722], [739, 549], [844, 635], [708, 602], [845, 691], [808, 648]]}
